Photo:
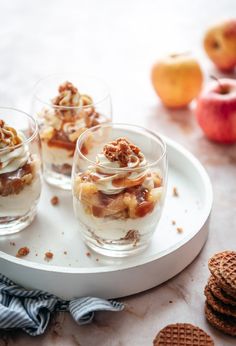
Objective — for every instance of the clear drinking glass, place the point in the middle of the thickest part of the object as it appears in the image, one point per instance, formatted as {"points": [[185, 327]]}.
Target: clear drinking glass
{"points": [[118, 185], [66, 104], [20, 170]]}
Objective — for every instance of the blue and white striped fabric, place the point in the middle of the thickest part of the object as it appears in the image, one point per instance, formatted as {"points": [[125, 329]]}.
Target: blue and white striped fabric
{"points": [[30, 310]]}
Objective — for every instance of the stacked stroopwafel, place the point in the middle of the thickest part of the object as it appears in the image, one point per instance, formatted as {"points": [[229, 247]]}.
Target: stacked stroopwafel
{"points": [[182, 334], [220, 292]]}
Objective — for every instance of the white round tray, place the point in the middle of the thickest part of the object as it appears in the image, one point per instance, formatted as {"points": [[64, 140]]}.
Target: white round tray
{"points": [[74, 273]]}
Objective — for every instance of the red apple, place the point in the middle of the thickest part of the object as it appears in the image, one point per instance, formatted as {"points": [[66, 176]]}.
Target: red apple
{"points": [[216, 110], [220, 44]]}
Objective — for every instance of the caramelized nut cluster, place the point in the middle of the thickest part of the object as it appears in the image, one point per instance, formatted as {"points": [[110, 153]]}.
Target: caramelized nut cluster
{"points": [[8, 136], [69, 96], [68, 121], [123, 151]]}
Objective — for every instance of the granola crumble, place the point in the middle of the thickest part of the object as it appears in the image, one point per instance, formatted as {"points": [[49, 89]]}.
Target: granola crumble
{"points": [[123, 151], [69, 96]]}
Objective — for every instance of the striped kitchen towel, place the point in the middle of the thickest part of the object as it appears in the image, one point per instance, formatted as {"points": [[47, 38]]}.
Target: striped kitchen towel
{"points": [[30, 310]]}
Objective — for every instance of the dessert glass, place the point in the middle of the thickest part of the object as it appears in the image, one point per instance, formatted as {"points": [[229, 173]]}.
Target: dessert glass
{"points": [[65, 106], [20, 170], [118, 185]]}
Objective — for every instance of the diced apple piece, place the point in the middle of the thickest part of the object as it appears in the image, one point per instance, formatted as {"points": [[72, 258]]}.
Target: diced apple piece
{"points": [[155, 194]]}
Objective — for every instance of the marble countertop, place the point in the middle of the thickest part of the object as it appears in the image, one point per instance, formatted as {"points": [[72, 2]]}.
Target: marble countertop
{"points": [[119, 41]]}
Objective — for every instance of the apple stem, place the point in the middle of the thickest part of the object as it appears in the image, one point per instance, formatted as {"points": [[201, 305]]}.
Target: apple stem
{"points": [[175, 55], [223, 90]]}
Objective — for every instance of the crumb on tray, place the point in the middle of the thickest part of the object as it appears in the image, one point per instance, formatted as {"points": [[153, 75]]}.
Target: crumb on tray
{"points": [[23, 251], [179, 229], [48, 255], [55, 200], [175, 192]]}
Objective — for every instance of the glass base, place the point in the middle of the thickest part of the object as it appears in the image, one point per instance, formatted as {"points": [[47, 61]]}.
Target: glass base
{"points": [[59, 180], [115, 248], [15, 224]]}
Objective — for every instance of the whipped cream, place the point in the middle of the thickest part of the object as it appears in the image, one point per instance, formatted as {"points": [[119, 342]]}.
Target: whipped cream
{"points": [[13, 158]]}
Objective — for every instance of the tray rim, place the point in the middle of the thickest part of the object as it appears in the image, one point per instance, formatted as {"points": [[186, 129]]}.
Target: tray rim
{"points": [[139, 261]]}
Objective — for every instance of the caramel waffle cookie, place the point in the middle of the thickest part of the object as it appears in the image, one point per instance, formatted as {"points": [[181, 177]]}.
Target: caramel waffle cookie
{"points": [[217, 305], [225, 324], [228, 268], [219, 293], [182, 334], [214, 267]]}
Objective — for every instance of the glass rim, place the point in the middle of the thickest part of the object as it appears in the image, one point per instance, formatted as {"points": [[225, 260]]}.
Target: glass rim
{"points": [[157, 136], [35, 94], [27, 140]]}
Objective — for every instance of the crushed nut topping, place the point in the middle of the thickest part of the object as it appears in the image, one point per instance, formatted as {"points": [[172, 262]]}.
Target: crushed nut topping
{"points": [[124, 152], [23, 251], [69, 96], [8, 136]]}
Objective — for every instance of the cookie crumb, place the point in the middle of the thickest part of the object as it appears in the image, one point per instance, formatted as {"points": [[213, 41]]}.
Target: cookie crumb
{"points": [[173, 222], [97, 259], [36, 255], [48, 255], [170, 301], [12, 243], [65, 252], [179, 229], [23, 251], [55, 200], [88, 254], [175, 192]]}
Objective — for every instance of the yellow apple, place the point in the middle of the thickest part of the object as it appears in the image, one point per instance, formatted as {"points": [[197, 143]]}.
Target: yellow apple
{"points": [[177, 79], [220, 45]]}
